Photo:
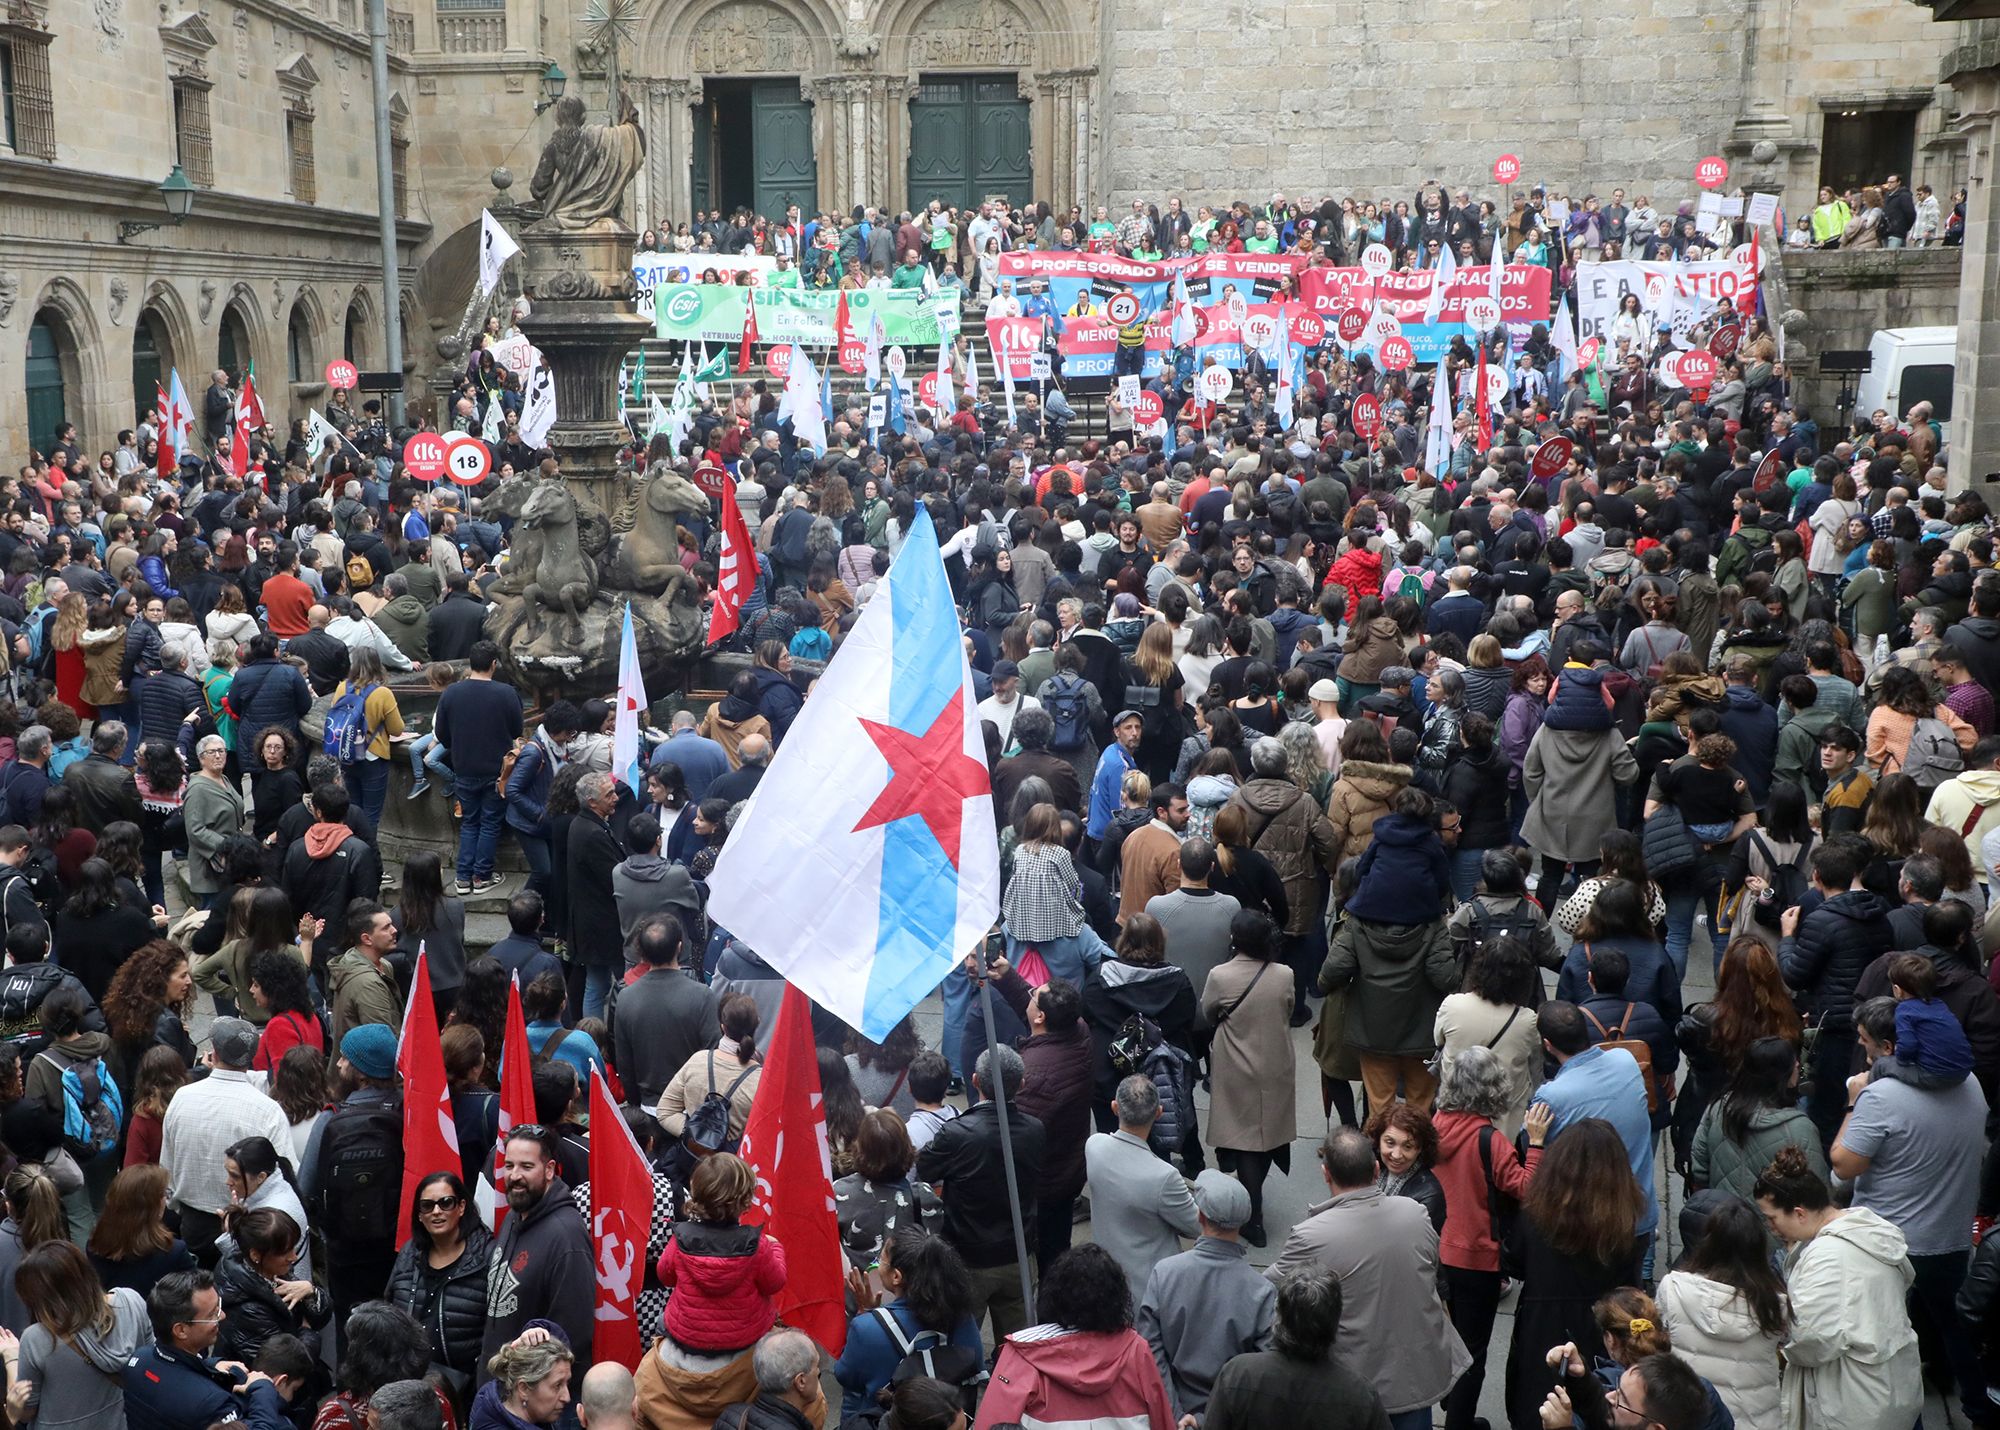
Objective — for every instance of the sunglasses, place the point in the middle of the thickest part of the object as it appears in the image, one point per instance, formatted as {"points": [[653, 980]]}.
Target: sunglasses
{"points": [[427, 1205]]}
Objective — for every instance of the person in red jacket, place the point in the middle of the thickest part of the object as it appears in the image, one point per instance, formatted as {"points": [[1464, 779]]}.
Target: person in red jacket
{"points": [[722, 1275], [1479, 1170]]}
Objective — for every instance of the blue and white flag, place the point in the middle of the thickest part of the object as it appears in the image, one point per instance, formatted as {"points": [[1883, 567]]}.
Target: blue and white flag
{"points": [[866, 867], [625, 720], [1441, 276], [1437, 443]]}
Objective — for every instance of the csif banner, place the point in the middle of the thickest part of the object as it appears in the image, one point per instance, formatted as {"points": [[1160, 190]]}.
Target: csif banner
{"points": [[715, 313]]}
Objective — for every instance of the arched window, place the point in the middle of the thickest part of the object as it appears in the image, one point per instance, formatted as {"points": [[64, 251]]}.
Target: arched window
{"points": [[298, 345], [150, 360], [232, 345]]}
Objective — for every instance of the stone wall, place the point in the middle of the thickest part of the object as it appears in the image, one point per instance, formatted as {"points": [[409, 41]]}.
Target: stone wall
{"points": [[1847, 297]]}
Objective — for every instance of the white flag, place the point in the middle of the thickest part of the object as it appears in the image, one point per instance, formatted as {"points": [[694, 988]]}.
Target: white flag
{"points": [[801, 401], [871, 350], [1498, 271], [496, 246], [1441, 276], [971, 373], [1004, 360], [1437, 447], [490, 434], [538, 411], [320, 434], [1562, 336]]}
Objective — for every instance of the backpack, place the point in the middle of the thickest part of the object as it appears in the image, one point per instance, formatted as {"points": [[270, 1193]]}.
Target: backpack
{"points": [[707, 1126], [1487, 926], [547, 1054], [1764, 558], [360, 573], [44, 882], [1412, 586], [507, 763], [1787, 882], [1068, 704], [93, 1108], [1933, 755], [928, 1353], [363, 1152], [1139, 1047], [1615, 1038], [347, 731]]}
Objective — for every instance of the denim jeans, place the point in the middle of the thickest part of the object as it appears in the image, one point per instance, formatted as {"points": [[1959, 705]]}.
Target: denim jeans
{"points": [[427, 760], [1692, 889], [480, 806], [1465, 872], [541, 859], [370, 783], [597, 979]]}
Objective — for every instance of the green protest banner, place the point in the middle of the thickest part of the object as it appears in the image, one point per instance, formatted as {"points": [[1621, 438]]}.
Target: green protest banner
{"points": [[714, 313]]}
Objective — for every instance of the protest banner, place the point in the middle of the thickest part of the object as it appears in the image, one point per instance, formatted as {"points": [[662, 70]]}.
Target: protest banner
{"points": [[651, 270], [1331, 293], [1209, 276], [715, 313], [1667, 291]]}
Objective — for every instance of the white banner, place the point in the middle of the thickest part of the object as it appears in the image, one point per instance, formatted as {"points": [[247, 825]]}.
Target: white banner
{"points": [[649, 270], [538, 409], [1666, 291], [517, 355], [496, 246]]}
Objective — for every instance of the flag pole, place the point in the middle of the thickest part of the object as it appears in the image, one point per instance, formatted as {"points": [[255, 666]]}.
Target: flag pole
{"points": [[998, 1092]]}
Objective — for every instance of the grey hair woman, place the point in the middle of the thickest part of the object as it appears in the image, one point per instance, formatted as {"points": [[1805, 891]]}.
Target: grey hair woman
{"points": [[1475, 1081], [1305, 761]]}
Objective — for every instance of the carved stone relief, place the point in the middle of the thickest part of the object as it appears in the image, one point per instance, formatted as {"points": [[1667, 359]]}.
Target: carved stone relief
{"points": [[750, 39], [971, 32], [242, 26], [121, 293], [205, 306]]}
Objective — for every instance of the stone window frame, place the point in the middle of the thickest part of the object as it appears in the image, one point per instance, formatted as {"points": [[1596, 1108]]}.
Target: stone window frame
{"points": [[297, 78], [186, 42], [399, 153], [30, 98]]}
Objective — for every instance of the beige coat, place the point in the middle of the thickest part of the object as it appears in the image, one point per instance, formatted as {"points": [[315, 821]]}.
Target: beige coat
{"points": [[1360, 797], [1254, 1100], [689, 1089]]}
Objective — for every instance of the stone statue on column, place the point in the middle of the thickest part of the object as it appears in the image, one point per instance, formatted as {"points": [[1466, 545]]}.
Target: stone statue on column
{"points": [[586, 168]]}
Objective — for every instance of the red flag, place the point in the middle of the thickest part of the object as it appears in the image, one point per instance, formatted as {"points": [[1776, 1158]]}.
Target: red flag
{"points": [[1746, 293], [736, 574], [430, 1136], [749, 332], [621, 1206], [843, 326], [1485, 408], [249, 417], [794, 1180], [162, 421], [517, 1101]]}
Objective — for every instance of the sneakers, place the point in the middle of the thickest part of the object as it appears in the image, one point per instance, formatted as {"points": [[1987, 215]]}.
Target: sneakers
{"points": [[461, 888], [480, 886], [420, 787]]}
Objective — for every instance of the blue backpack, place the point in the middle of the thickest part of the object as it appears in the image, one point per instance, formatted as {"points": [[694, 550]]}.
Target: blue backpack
{"points": [[1068, 707], [347, 733], [93, 1109]]}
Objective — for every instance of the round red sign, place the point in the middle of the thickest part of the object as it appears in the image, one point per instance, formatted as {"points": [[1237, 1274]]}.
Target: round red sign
{"points": [[1551, 457], [1711, 172], [1723, 343], [1367, 416], [424, 456], [853, 356], [466, 461], [1353, 323], [1397, 354], [1148, 409], [341, 375], [1506, 169], [1770, 472], [1587, 354], [1308, 329], [779, 359], [927, 389], [1697, 370]]}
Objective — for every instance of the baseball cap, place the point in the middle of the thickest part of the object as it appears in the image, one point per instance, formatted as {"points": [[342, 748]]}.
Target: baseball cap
{"points": [[1124, 715], [1005, 670], [235, 1041], [1222, 1199]]}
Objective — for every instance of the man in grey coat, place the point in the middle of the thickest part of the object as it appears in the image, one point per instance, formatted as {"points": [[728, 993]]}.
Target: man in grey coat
{"points": [[644, 883], [1140, 1207], [1208, 1303], [663, 1018], [1393, 1328]]}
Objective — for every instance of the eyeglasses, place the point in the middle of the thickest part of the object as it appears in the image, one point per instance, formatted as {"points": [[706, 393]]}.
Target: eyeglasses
{"points": [[1616, 1400], [214, 1320], [427, 1205]]}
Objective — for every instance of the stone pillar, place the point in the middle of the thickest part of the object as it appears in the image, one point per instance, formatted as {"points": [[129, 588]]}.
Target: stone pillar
{"points": [[1064, 168], [663, 185], [1974, 71]]}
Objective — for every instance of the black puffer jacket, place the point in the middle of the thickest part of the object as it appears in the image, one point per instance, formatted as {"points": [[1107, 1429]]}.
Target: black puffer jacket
{"points": [[1835, 943], [253, 1313], [166, 698], [451, 1303]]}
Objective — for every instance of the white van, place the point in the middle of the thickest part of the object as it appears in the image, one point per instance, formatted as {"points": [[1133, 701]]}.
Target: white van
{"points": [[1908, 366]]}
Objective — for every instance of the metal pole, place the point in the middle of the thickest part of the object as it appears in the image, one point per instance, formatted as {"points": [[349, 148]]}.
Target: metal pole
{"points": [[998, 1092], [385, 202]]}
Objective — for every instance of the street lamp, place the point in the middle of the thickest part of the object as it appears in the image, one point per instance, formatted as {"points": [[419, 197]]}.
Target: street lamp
{"points": [[554, 82], [177, 193]]}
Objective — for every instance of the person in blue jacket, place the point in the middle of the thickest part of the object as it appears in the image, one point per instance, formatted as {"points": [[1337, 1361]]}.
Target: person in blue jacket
{"points": [[924, 1280], [173, 1384]]}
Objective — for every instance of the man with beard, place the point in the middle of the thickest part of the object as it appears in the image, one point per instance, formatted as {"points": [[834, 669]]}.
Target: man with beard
{"points": [[542, 1268]]}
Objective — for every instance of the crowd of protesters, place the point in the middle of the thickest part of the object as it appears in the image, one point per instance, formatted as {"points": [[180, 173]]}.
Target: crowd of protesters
{"points": [[1421, 782]]}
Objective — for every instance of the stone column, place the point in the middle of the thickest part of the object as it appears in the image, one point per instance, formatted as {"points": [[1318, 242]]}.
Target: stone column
{"points": [[860, 138], [1062, 137], [663, 182], [1974, 71]]}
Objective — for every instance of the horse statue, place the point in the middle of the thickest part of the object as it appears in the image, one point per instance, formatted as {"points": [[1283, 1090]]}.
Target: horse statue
{"points": [[646, 559], [524, 543], [565, 578]]}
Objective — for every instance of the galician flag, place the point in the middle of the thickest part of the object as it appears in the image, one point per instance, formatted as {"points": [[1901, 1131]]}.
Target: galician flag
{"points": [[866, 864], [1441, 277], [625, 719], [177, 436]]}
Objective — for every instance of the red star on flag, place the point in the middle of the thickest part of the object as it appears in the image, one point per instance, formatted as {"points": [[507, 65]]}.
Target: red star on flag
{"points": [[930, 776]]}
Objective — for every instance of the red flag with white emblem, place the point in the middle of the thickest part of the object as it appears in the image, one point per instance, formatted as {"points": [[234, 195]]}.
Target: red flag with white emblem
{"points": [[430, 1136], [785, 1144], [736, 573], [249, 419], [517, 1103], [621, 1207]]}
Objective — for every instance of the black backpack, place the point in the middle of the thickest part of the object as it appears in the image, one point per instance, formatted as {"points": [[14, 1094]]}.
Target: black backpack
{"points": [[1788, 882], [929, 1354], [363, 1153], [707, 1126], [1487, 926]]}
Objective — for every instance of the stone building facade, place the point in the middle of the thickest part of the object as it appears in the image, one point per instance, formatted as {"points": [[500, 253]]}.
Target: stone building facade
{"points": [[266, 104]]}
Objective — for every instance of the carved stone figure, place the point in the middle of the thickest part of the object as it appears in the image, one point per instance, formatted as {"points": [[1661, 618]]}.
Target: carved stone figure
{"points": [[586, 168], [565, 579], [121, 292], [10, 294], [205, 303], [750, 39], [647, 558], [971, 32]]}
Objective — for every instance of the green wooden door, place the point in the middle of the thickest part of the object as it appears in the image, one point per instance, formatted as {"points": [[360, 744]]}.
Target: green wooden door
{"points": [[968, 139], [704, 141], [782, 146], [146, 373], [45, 387]]}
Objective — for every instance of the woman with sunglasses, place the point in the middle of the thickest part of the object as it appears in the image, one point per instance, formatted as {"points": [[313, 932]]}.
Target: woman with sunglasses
{"points": [[440, 1274]]}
